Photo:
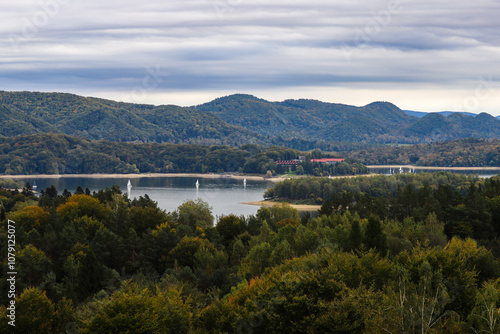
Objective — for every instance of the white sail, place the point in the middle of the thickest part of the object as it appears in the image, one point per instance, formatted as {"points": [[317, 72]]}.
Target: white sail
{"points": [[129, 184]]}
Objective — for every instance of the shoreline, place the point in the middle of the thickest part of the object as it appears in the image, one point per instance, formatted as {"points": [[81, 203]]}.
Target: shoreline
{"points": [[197, 175], [299, 207], [137, 176], [230, 176], [434, 168]]}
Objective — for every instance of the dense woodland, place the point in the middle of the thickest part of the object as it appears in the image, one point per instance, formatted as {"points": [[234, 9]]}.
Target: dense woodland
{"points": [[24, 113], [468, 206], [456, 153], [59, 154], [397, 254], [62, 154]]}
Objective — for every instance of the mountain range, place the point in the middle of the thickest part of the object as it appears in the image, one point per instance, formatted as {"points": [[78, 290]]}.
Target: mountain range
{"points": [[232, 120], [421, 114]]}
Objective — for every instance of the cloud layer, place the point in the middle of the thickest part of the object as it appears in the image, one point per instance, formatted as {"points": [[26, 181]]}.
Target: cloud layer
{"points": [[427, 55]]}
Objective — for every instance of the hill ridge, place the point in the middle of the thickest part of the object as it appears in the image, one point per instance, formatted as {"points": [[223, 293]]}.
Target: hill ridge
{"points": [[233, 120]]}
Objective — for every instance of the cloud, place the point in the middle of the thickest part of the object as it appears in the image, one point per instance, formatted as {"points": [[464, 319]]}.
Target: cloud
{"points": [[222, 45]]}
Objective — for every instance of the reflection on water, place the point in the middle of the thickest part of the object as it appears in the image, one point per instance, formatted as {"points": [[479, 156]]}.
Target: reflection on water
{"points": [[223, 194]]}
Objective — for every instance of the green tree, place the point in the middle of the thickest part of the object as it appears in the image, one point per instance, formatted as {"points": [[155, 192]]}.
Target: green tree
{"points": [[229, 227], [485, 317], [125, 312], [90, 275], [35, 312], [30, 217], [183, 253], [257, 259], [355, 235], [142, 218], [374, 235], [33, 265], [281, 252], [195, 214]]}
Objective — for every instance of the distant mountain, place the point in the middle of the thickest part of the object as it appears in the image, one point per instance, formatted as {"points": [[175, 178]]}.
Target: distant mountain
{"points": [[436, 127], [418, 114], [376, 122], [310, 119], [421, 114], [233, 120]]}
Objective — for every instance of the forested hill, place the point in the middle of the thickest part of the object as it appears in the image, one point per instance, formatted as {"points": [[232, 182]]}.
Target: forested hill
{"points": [[25, 113], [310, 119], [232, 120], [453, 153], [63, 154], [381, 122]]}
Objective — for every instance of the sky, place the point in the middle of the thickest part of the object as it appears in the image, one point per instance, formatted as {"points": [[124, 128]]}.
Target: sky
{"points": [[418, 54]]}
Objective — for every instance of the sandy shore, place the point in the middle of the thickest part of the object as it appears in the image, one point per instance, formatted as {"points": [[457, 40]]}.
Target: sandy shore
{"points": [[236, 177], [435, 168], [136, 176], [299, 207], [197, 175]]}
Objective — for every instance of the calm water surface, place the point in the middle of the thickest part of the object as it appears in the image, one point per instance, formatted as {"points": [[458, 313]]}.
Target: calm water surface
{"points": [[224, 194]]}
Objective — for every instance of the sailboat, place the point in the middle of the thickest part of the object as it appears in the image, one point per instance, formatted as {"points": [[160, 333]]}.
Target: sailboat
{"points": [[244, 182], [34, 186], [129, 184], [197, 184]]}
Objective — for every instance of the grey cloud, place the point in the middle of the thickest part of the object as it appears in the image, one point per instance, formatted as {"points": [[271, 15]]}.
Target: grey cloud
{"points": [[204, 44]]}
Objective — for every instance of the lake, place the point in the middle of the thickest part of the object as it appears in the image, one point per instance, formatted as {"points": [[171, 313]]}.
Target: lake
{"points": [[223, 194], [480, 172]]}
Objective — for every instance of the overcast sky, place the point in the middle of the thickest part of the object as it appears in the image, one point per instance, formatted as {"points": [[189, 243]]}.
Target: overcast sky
{"points": [[419, 54]]}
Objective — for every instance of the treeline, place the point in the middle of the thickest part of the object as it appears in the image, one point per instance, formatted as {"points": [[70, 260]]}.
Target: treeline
{"points": [[468, 206], [328, 146], [101, 263], [62, 154], [454, 153], [10, 184]]}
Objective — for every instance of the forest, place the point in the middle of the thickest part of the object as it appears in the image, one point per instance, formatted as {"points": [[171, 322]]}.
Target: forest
{"points": [[394, 254], [469, 152], [233, 120], [62, 154]]}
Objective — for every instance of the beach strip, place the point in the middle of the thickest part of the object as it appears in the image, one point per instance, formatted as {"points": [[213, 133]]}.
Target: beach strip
{"points": [[299, 207]]}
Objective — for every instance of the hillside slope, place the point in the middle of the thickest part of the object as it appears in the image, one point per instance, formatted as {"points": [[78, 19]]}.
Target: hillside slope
{"points": [[232, 120], [92, 118], [309, 119]]}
